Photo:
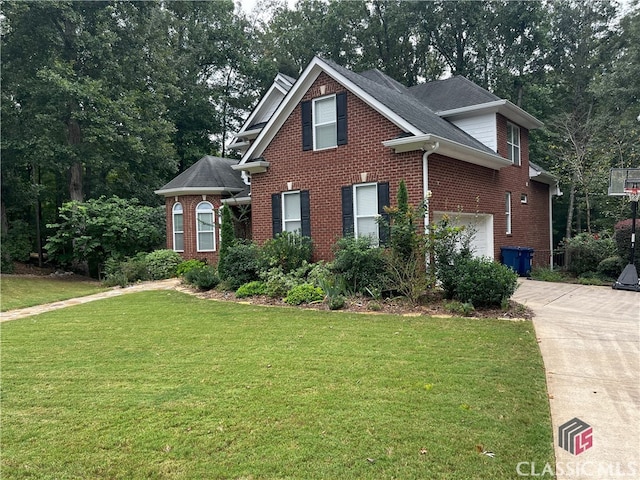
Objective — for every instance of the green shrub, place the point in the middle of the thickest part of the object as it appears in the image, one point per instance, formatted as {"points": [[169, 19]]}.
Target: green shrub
{"points": [[611, 267], [227, 240], [187, 265], [336, 302], [203, 278], [484, 283], [458, 308], [360, 264], [279, 283], [127, 271], [585, 251], [319, 273], [241, 265], [547, 274], [287, 250], [305, 293], [163, 264], [252, 289]]}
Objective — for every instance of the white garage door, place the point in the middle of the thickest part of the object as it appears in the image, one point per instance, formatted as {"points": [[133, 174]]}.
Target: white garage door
{"points": [[482, 242]]}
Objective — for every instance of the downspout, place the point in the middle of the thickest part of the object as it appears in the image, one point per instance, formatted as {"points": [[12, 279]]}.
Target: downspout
{"points": [[428, 149], [551, 195]]}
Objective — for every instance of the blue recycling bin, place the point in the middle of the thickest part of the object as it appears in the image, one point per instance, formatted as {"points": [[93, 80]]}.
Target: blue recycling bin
{"points": [[519, 259]]}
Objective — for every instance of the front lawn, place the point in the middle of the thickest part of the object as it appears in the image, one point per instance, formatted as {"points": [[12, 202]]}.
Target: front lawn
{"points": [[165, 385], [23, 292]]}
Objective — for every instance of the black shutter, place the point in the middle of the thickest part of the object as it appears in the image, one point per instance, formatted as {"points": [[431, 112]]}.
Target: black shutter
{"points": [[276, 213], [383, 201], [307, 126], [347, 211], [305, 213], [341, 115]]}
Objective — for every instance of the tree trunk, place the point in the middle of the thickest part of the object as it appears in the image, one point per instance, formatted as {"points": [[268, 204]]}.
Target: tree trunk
{"points": [[76, 169], [570, 208]]}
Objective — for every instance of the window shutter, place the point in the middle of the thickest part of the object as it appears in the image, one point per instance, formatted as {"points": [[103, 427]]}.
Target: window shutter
{"points": [[347, 211], [341, 116], [276, 213], [383, 201], [307, 125], [305, 213]]}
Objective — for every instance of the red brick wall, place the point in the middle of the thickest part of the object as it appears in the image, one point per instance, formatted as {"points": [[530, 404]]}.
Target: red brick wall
{"points": [[189, 204], [456, 185]]}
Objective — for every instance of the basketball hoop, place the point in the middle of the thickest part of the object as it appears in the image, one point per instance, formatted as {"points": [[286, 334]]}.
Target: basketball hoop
{"points": [[633, 194]]}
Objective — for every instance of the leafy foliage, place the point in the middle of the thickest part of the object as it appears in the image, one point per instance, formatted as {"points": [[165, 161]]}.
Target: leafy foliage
{"points": [[227, 239], [361, 265], [252, 289], [187, 265], [287, 250], [622, 237], [305, 293], [483, 282], [241, 265], [17, 245], [203, 278], [163, 264], [126, 272], [585, 252], [87, 233]]}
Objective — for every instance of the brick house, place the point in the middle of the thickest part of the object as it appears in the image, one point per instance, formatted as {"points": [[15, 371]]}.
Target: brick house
{"points": [[324, 154]]}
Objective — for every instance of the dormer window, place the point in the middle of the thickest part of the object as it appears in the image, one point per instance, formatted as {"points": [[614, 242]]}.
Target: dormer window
{"points": [[513, 143]]}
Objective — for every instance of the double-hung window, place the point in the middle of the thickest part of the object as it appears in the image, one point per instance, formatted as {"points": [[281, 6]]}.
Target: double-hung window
{"points": [[507, 211], [365, 211], [513, 143], [205, 227], [291, 213], [362, 205], [324, 123], [178, 227]]}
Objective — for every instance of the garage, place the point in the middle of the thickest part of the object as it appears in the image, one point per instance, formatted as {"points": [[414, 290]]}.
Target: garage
{"points": [[482, 242]]}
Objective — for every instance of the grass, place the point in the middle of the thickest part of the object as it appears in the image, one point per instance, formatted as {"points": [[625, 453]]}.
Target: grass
{"points": [[23, 292], [167, 386]]}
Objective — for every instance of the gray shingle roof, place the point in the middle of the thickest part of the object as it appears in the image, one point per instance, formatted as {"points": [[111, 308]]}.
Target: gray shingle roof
{"points": [[405, 106], [452, 93], [208, 172]]}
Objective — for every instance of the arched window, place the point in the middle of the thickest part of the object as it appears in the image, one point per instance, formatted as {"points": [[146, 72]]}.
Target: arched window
{"points": [[178, 228], [205, 226]]}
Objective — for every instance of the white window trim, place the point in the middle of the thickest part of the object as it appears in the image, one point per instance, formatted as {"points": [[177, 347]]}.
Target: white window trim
{"points": [[356, 217], [507, 206], [516, 160], [212, 232], [314, 125], [283, 214], [173, 225]]}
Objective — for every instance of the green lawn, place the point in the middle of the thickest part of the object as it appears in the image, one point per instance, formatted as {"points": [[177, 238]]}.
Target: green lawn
{"points": [[164, 385], [22, 292]]}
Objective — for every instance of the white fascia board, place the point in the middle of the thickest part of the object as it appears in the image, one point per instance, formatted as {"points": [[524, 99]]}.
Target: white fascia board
{"points": [[237, 201], [259, 166], [254, 113], [248, 133], [176, 192], [309, 75], [239, 145], [546, 178], [448, 148], [504, 107]]}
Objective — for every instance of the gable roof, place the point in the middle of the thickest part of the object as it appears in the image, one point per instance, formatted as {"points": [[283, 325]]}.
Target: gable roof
{"points": [[209, 175], [452, 93], [421, 124]]}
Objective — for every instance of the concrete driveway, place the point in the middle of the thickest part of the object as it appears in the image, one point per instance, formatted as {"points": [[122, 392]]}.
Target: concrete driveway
{"points": [[590, 342]]}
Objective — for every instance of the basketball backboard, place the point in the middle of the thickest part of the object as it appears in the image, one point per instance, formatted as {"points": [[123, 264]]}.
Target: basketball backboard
{"points": [[618, 177]]}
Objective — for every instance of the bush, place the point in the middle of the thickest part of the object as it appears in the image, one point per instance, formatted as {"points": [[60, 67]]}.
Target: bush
{"points": [[241, 265], [251, 289], [127, 271], [547, 274], [17, 242], [305, 293], [360, 264], [622, 237], [585, 251], [163, 264], [484, 283], [279, 283], [611, 267], [188, 265], [88, 233], [203, 278], [287, 250]]}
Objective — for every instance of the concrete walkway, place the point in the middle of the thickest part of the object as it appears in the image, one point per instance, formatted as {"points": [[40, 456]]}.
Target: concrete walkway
{"points": [[170, 284], [590, 342]]}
